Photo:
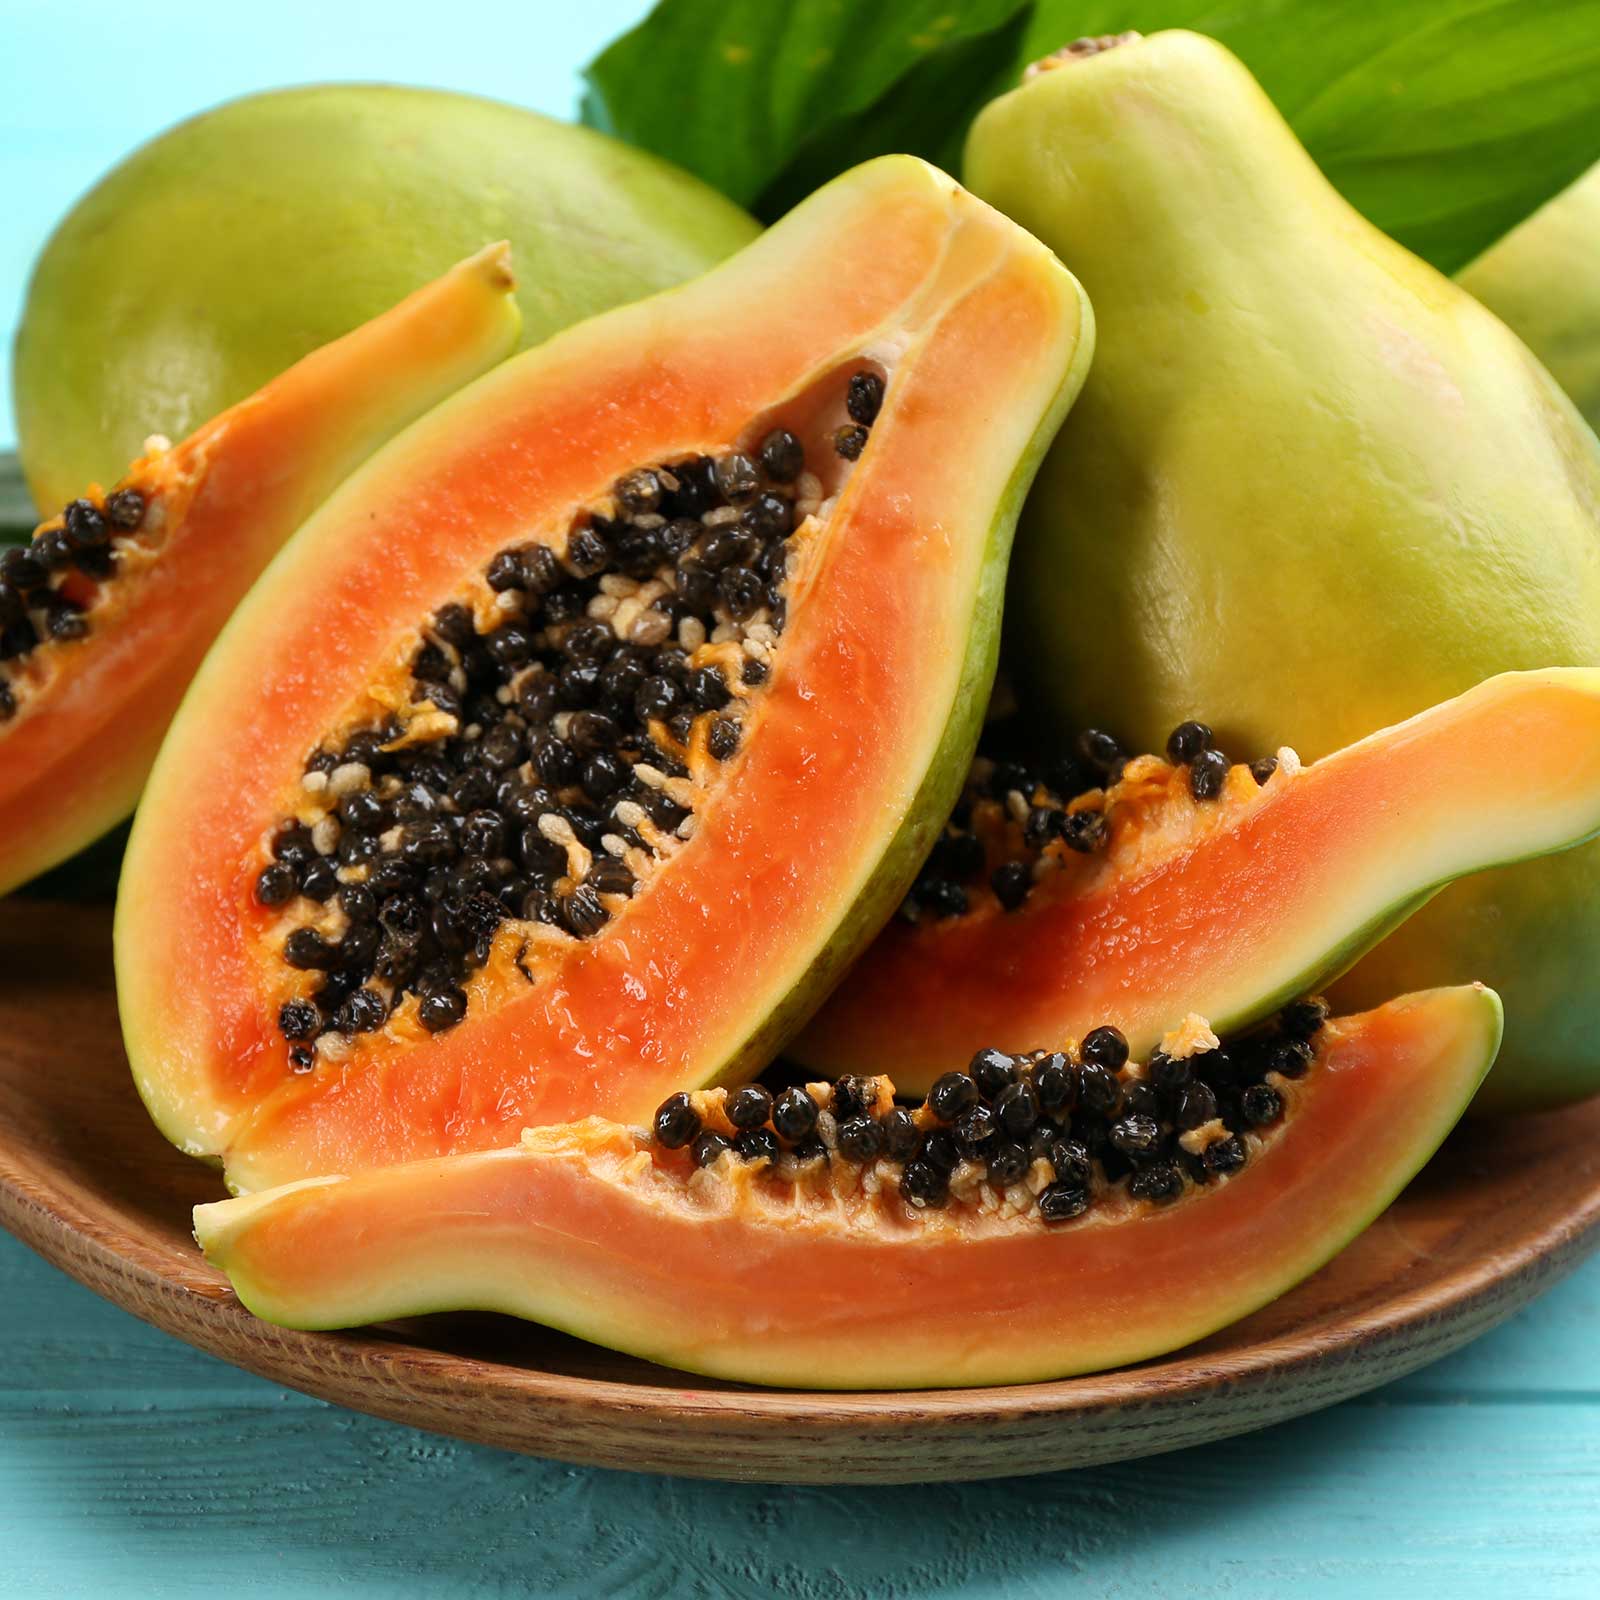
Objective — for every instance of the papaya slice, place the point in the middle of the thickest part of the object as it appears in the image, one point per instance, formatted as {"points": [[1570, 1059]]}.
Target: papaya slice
{"points": [[826, 1273], [571, 751], [106, 614], [1193, 882]]}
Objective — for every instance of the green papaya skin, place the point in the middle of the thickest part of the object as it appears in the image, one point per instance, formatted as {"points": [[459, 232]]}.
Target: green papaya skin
{"points": [[1543, 281], [230, 246], [1311, 487]]}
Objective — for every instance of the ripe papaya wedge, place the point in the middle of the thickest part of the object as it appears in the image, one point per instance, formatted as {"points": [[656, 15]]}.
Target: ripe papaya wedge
{"points": [[571, 751], [1228, 904], [106, 614], [802, 1273]]}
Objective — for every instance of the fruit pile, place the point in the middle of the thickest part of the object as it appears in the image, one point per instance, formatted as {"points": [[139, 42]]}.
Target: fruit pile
{"points": [[588, 865]]}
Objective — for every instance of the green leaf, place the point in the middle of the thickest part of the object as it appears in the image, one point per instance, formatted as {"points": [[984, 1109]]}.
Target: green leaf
{"points": [[17, 516], [916, 118], [1446, 122], [738, 90]]}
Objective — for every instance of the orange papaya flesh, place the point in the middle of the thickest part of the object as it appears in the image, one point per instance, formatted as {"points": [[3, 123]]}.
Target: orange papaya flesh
{"points": [[749, 870], [106, 615], [825, 1276], [1227, 905]]}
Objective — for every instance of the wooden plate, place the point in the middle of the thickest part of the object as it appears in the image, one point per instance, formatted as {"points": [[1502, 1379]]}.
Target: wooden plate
{"points": [[88, 1182]]}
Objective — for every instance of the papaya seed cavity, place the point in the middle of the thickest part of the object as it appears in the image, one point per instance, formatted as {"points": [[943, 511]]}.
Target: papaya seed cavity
{"points": [[554, 736]]}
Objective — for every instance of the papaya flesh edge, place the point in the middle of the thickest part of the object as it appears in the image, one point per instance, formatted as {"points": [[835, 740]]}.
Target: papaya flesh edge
{"points": [[862, 737], [91, 713], [582, 1228], [1264, 894]]}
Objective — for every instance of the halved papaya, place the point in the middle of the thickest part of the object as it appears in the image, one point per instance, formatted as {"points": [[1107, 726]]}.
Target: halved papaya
{"points": [[837, 1272], [572, 750], [106, 614], [1190, 882]]}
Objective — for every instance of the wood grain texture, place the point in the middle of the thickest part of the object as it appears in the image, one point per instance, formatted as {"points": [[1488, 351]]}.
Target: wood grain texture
{"points": [[88, 1182], [133, 1466]]}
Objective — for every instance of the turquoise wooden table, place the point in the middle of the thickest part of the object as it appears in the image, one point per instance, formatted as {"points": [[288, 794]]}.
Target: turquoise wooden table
{"points": [[133, 1466]]}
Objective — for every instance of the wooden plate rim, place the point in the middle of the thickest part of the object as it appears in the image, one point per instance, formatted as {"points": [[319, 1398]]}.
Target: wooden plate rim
{"points": [[47, 1220], [86, 1180]]}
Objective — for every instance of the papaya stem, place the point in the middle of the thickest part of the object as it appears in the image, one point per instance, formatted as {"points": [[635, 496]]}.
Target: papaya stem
{"points": [[1079, 50]]}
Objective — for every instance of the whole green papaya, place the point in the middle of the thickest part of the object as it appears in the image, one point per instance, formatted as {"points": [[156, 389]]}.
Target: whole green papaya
{"points": [[1543, 281], [235, 243], [1310, 488]]}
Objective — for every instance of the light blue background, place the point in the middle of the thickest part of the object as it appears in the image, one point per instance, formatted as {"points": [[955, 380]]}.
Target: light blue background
{"points": [[132, 1466]]}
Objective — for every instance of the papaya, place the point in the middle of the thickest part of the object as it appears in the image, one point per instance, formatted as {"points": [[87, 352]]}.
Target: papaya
{"points": [[1192, 882], [1542, 280], [981, 1239], [107, 612], [1312, 487], [569, 753], [237, 242]]}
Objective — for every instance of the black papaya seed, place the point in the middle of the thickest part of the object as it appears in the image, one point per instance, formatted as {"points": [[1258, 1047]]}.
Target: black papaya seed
{"points": [[1106, 1047], [864, 397], [925, 1183], [1061, 1202], [901, 1136], [1160, 1182], [952, 1094], [794, 1114], [1207, 774], [1188, 741], [757, 1144], [1301, 1019], [708, 1147], [860, 1139], [1288, 1057], [676, 1122], [749, 1107], [1008, 1163]]}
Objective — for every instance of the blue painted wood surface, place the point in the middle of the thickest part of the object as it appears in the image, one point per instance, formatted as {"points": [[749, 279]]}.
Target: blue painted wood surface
{"points": [[133, 1466]]}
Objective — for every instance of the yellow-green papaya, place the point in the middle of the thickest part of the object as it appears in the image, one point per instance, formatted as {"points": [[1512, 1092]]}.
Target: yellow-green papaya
{"points": [[1311, 487], [232, 245], [1543, 281]]}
